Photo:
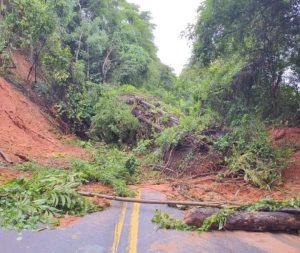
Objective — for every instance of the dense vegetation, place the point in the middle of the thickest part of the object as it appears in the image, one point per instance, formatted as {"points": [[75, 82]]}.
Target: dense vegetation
{"points": [[243, 76], [78, 45], [251, 51]]}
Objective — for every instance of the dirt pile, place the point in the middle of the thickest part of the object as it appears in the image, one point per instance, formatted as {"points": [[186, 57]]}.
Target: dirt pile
{"points": [[195, 156], [25, 131]]}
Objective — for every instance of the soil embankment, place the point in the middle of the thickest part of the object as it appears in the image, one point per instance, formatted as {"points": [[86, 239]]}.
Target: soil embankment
{"points": [[209, 188], [26, 133]]}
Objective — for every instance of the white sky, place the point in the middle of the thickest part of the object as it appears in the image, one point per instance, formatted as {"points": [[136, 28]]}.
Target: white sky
{"points": [[171, 18]]}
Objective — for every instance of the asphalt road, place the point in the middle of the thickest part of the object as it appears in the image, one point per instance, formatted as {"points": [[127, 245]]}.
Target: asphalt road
{"points": [[127, 228]]}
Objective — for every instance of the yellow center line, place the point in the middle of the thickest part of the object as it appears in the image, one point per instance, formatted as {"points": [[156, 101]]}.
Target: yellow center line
{"points": [[118, 229], [134, 226]]}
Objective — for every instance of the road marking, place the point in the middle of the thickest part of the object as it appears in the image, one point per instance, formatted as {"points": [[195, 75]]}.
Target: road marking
{"points": [[118, 229], [134, 226]]}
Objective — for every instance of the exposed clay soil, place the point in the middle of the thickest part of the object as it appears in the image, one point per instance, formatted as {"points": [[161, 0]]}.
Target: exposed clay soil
{"points": [[9, 174], [26, 132], [208, 188], [22, 67], [289, 136]]}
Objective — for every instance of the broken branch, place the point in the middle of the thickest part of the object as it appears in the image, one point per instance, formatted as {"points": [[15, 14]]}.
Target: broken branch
{"points": [[159, 202], [5, 157]]}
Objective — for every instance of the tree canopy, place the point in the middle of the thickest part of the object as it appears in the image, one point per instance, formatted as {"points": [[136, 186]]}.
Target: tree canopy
{"points": [[75, 44], [265, 34]]}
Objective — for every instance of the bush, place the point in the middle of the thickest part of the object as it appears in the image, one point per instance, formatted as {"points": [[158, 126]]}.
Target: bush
{"points": [[113, 122], [249, 150], [49, 194], [170, 137], [142, 146], [77, 108]]}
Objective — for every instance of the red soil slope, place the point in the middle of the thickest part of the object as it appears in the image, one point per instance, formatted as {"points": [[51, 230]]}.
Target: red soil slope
{"points": [[25, 131], [284, 136]]}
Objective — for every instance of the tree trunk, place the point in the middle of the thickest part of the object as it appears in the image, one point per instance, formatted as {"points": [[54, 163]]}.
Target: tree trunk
{"points": [[1, 9], [284, 220], [78, 48], [275, 90], [80, 36], [88, 63], [105, 66]]}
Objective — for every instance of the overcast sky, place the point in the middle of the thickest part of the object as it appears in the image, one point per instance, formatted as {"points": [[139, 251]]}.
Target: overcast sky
{"points": [[171, 18]]}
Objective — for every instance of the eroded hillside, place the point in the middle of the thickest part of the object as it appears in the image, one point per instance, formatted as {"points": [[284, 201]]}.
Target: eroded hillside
{"points": [[26, 133]]}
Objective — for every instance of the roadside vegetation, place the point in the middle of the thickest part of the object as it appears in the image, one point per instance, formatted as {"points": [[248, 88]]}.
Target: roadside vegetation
{"points": [[49, 193]]}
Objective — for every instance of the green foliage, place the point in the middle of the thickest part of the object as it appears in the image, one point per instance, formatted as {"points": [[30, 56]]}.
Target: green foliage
{"points": [[218, 219], [249, 150], [263, 34], [73, 44], [114, 122], [205, 88], [49, 194], [77, 109], [28, 166], [142, 146], [80, 143], [164, 220], [170, 137], [111, 167], [271, 205]]}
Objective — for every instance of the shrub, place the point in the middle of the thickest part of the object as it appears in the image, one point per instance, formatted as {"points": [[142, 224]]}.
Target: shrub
{"points": [[49, 194], [111, 167], [77, 108], [113, 122], [170, 137], [249, 150], [142, 146]]}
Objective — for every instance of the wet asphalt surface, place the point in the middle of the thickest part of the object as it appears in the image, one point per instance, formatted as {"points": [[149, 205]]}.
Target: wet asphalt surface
{"points": [[127, 228]]}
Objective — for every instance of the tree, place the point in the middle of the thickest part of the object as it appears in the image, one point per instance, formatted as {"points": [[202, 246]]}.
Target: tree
{"points": [[264, 32]]}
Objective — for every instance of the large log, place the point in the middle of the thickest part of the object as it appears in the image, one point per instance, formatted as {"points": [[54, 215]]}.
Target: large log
{"points": [[248, 221]]}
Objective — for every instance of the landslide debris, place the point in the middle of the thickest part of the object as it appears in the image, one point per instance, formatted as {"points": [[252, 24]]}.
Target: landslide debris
{"points": [[26, 133]]}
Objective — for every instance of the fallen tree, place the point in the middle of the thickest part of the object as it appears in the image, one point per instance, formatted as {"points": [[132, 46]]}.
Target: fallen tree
{"points": [[148, 111], [285, 219]]}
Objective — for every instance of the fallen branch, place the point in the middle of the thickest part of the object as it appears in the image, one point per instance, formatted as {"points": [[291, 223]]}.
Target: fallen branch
{"points": [[169, 158], [5, 157], [22, 157], [147, 121], [160, 202], [204, 174]]}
